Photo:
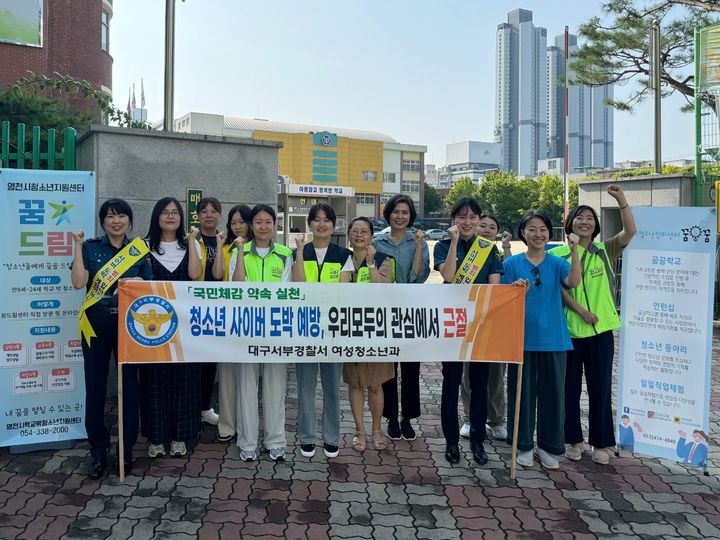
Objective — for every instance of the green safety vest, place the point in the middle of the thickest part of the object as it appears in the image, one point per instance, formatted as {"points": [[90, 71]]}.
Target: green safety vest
{"points": [[329, 270], [265, 269], [363, 273], [596, 291]]}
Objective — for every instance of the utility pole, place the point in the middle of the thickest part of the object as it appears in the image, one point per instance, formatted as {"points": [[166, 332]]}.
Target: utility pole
{"points": [[655, 81], [168, 123]]}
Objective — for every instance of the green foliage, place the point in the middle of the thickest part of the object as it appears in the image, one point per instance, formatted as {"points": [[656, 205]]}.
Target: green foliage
{"points": [[464, 187], [505, 196], [47, 113], [432, 200], [617, 51], [67, 87]]}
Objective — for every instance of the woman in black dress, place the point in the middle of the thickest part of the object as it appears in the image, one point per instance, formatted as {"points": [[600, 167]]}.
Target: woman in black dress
{"points": [[170, 393]]}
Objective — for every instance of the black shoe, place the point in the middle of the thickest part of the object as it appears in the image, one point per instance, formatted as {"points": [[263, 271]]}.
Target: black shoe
{"points": [[452, 453], [408, 433], [224, 438], [479, 454], [97, 468], [331, 450], [393, 430], [128, 466]]}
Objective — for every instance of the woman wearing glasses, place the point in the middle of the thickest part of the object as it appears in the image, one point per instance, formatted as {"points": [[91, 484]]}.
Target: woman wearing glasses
{"points": [[171, 393], [370, 267], [546, 341]]}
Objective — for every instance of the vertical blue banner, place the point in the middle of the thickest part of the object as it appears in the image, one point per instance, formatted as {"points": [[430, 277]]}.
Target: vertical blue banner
{"points": [[42, 391], [666, 336]]}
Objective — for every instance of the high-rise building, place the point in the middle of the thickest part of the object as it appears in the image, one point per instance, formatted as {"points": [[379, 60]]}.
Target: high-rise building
{"points": [[590, 131], [520, 102], [579, 109], [602, 128]]}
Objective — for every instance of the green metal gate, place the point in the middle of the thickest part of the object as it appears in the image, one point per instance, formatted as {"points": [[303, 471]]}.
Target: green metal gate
{"points": [[41, 154]]}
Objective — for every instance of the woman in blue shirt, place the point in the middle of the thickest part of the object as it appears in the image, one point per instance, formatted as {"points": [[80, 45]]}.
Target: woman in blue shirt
{"points": [[546, 341]]}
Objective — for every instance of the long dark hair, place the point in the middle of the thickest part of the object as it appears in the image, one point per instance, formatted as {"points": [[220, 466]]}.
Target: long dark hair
{"points": [[244, 211], [154, 233]]}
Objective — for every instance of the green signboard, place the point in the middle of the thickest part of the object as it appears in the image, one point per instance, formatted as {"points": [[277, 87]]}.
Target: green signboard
{"points": [[193, 198]]}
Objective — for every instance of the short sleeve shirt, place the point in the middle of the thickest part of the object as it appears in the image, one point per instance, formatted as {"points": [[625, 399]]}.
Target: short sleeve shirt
{"points": [[98, 251], [492, 265], [545, 324]]}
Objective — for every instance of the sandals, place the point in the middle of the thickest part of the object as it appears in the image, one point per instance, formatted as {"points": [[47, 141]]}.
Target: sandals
{"points": [[358, 442], [379, 440]]}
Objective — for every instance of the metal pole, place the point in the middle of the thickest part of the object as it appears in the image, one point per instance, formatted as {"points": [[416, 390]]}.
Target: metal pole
{"points": [[566, 177], [698, 125], [169, 64], [655, 78]]}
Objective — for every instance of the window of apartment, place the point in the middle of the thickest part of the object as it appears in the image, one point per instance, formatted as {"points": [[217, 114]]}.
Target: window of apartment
{"points": [[389, 177], [105, 31], [364, 198], [369, 176], [410, 165], [410, 186]]}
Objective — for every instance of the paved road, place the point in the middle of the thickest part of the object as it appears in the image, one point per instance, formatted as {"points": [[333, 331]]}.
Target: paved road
{"points": [[406, 491]]}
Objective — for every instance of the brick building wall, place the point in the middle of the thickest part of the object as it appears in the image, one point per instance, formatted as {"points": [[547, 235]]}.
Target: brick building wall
{"points": [[71, 45]]}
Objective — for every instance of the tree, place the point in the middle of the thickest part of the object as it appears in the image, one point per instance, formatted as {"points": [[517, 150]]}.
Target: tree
{"points": [[464, 187], [68, 88], [432, 201], [507, 198], [617, 52], [49, 113]]}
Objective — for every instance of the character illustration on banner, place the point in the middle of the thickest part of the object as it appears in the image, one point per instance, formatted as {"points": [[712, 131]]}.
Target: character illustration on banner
{"points": [[626, 435], [693, 453]]}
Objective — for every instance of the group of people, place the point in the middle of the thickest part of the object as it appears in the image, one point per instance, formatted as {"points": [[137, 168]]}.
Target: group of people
{"points": [[569, 319]]}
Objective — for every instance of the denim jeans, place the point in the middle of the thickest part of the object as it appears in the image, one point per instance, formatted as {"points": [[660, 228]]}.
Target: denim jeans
{"points": [[306, 385]]}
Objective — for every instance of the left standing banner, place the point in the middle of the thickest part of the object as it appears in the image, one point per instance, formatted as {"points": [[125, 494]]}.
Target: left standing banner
{"points": [[42, 389]]}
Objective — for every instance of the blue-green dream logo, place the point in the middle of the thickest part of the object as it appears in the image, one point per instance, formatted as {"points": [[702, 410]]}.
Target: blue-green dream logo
{"points": [[151, 321]]}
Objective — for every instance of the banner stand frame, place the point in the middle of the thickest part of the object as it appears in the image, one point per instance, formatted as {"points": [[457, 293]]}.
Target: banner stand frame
{"points": [[516, 422], [121, 427]]}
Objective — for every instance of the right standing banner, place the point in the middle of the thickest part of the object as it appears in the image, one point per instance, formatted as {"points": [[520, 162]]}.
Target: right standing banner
{"points": [[668, 278]]}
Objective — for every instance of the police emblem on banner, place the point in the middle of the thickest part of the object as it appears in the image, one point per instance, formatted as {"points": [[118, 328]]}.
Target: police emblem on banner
{"points": [[151, 321]]}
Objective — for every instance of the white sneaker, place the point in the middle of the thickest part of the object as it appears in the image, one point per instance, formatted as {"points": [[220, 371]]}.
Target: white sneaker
{"points": [[547, 460], [210, 417], [600, 456], [277, 454], [525, 459], [499, 432], [178, 449], [465, 430], [574, 451], [155, 450], [248, 455]]}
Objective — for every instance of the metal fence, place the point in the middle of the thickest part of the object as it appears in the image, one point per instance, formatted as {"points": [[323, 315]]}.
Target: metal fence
{"points": [[41, 154]]}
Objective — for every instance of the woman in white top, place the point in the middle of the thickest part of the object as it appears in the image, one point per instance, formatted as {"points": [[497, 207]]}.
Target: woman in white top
{"points": [[170, 393]]}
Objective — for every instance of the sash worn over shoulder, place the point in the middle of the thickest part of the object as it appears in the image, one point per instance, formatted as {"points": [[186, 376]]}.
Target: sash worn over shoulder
{"points": [[105, 277], [473, 261]]}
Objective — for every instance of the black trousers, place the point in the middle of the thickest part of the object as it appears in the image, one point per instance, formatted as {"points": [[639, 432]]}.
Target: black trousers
{"points": [[104, 321], [452, 379], [594, 355], [410, 383], [207, 387]]}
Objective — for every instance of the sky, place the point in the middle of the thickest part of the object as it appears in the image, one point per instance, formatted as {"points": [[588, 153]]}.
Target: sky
{"points": [[420, 71]]}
